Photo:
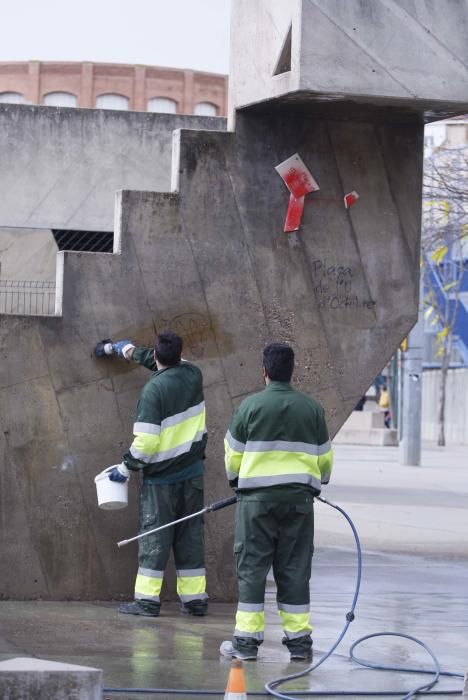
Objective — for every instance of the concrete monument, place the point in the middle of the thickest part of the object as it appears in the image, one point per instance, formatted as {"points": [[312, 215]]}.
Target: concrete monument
{"points": [[341, 88]]}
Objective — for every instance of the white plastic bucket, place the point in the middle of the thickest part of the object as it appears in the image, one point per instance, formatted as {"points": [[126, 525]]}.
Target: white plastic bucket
{"points": [[111, 495]]}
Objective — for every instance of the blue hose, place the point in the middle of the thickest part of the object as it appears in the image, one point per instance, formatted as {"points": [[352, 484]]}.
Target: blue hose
{"points": [[425, 689]]}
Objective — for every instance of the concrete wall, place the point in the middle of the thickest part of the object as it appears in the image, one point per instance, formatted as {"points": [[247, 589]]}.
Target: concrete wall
{"points": [[60, 168], [27, 254], [213, 263], [209, 260], [456, 411], [346, 53]]}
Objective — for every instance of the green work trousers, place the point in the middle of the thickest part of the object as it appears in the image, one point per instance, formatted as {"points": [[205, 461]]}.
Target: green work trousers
{"points": [[278, 535], [161, 504]]}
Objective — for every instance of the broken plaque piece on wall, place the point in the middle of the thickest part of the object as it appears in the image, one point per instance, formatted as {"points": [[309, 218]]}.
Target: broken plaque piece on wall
{"points": [[350, 199], [299, 181]]}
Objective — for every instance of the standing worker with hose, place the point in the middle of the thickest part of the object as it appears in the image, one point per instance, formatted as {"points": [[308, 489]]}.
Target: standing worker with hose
{"points": [[168, 448], [278, 455]]}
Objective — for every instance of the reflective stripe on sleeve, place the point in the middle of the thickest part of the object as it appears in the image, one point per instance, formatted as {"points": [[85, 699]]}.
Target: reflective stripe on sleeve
{"points": [[234, 444], [162, 455], [325, 465], [149, 428]]}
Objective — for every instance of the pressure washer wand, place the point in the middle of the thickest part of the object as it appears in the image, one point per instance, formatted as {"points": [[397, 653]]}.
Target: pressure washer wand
{"points": [[207, 509]]}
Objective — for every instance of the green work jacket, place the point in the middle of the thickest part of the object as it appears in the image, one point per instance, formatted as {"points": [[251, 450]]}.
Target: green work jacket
{"points": [[170, 423], [278, 437]]}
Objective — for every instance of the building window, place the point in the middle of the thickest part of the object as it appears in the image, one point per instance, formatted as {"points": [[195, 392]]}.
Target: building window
{"points": [[206, 109], [112, 101], [59, 99], [12, 98], [162, 104]]}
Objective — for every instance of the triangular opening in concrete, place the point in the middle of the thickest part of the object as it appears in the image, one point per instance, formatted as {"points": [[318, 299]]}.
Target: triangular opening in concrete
{"points": [[283, 64]]}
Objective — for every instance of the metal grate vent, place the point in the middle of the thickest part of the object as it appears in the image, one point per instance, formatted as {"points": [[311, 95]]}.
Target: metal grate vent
{"points": [[88, 241]]}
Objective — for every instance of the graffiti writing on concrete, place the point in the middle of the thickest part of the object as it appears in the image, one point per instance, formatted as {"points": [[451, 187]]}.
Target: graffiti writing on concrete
{"points": [[193, 328], [334, 287]]}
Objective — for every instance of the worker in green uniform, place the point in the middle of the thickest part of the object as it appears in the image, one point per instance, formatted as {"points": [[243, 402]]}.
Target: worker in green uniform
{"points": [[168, 448], [277, 454]]}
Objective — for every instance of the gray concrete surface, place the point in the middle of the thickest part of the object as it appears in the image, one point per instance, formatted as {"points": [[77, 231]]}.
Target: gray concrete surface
{"points": [[416, 585], [27, 678], [27, 254], [347, 57], [61, 167]]}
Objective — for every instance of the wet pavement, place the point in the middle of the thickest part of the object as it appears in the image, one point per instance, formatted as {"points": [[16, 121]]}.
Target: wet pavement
{"points": [[423, 593]]}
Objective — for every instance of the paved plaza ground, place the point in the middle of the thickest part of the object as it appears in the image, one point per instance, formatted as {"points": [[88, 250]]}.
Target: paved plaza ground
{"points": [[413, 524]]}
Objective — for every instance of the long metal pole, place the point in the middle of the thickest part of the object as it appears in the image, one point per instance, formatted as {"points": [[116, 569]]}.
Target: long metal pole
{"points": [[208, 509], [411, 416]]}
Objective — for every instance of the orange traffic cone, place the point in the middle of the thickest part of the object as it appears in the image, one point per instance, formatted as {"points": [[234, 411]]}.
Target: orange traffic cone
{"points": [[235, 689]]}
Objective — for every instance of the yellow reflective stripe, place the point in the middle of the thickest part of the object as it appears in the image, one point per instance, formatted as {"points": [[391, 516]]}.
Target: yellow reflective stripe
{"points": [[325, 463], [232, 460], [295, 623], [185, 432], [191, 585], [182, 432], [275, 463], [146, 443], [250, 622], [148, 586]]}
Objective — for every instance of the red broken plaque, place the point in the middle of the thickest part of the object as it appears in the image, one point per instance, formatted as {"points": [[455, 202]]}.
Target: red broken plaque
{"points": [[299, 181]]}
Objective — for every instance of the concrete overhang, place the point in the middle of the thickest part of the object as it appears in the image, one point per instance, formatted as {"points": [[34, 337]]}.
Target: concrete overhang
{"points": [[385, 60]]}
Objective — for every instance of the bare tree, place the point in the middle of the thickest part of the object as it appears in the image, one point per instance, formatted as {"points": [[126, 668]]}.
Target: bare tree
{"points": [[444, 250]]}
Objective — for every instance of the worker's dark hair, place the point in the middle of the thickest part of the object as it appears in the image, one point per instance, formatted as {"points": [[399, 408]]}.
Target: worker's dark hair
{"points": [[168, 348], [278, 360]]}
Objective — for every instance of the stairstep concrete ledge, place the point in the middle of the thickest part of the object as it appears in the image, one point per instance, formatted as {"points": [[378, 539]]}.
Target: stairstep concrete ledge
{"points": [[366, 428]]}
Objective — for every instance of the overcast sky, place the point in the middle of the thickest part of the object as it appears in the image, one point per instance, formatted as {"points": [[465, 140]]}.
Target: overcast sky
{"points": [[178, 33]]}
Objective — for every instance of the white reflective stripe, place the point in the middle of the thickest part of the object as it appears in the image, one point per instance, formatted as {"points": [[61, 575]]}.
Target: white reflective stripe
{"points": [[325, 479], [190, 572], [233, 443], [294, 609], [251, 607], [325, 447], [180, 417], [152, 573], [255, 482], [149, 428], [167, 454], [297, 635], [252, 635], [145, 596], [286, 446], [231, 475], [197, 596]]}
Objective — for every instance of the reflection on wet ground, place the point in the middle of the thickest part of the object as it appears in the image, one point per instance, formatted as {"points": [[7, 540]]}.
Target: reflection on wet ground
{"points": [[400, 593]]}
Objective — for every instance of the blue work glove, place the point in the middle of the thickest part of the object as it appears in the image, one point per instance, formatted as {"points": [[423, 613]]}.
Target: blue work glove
{"points": [[120, 348], [119, 473]]}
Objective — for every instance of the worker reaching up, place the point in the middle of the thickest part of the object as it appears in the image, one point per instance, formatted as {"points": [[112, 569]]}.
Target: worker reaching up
{"points": [[277, 454], [168, 449]]}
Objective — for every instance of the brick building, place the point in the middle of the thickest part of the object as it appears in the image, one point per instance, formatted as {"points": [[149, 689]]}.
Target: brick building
{"points": [[113, 86]]}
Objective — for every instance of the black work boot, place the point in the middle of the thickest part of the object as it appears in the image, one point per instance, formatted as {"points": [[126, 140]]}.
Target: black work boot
{"points": [[300, 649], [195, 607], [140, 607]]}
